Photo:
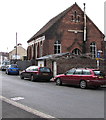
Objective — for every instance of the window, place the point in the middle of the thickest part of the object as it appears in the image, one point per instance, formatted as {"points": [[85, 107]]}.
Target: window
{"points": [[29, 69], [32, 68], [75, 17], [78, 72], [93, 50], [86, 72], [14, 66], [70, 72], [72, 18], [57, 47], [99, 73], [35, 69], [75, 14], [44, 69], [76, 51], [78, 18]]}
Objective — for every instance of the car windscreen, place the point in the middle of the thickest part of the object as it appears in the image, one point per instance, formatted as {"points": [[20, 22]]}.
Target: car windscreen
{"points": [[14, 66], [99, 73], [43, 69]]}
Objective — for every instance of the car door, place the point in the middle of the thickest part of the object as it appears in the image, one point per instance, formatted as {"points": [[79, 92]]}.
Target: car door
{"points": [[27, 72], [68, 76], [77, 76]]}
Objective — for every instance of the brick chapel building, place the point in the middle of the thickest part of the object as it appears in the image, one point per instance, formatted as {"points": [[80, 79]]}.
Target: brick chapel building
{"points": [[71, 31]]}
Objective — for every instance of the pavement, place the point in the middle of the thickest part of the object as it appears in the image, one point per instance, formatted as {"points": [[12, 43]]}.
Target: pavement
{"points": [[13, 112]]}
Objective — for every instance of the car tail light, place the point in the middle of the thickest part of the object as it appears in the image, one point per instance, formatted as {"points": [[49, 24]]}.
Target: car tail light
{"points": [[95, 77], [37, 73]]}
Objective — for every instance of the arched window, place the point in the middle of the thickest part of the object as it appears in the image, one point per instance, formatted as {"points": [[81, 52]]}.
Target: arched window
{"points": [[57, 47], [72, 18], [76, 51], [78, 18], [93, 49]]}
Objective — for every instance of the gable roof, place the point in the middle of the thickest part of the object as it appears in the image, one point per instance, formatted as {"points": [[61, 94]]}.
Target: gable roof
{"points": [[54, 20], [50, 23]]}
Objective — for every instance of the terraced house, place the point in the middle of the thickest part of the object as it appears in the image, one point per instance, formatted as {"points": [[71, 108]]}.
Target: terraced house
{"points": [[71, 31]]}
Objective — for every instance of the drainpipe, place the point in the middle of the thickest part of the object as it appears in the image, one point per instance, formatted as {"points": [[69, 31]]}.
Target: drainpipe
{"points": [[84, 40]]}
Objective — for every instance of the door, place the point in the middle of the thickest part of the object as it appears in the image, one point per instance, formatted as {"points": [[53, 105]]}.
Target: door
{"points": [[69, 76]]}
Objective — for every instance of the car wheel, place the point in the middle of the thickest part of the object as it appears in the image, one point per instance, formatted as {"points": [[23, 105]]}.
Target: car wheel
{"points": [[18, 73], [58, 81], [32, 78], [83, 84], [7, 72], [21, 76]]}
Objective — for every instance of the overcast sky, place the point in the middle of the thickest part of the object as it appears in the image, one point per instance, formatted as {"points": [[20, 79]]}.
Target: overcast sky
{"points": [[26, 17]]}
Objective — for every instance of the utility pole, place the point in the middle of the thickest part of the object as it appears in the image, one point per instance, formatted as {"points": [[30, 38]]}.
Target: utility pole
{"points": [[16, 46], [84, 40]]}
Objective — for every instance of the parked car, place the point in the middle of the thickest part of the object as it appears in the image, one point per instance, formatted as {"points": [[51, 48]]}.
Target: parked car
{"points": [[4, 65], [37, 73], [12, 69], [83, 77]]}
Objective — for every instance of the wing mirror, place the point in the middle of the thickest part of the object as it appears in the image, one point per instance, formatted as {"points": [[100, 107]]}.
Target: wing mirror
{"points": [[65, 73]]}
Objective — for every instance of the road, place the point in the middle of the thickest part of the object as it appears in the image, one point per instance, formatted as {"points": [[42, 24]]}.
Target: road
{"points": [[51, 100]]}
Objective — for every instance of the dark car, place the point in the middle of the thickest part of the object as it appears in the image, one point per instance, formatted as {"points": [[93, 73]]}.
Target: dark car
{"points": [[37, 73], [12, 69], [83, 77]]}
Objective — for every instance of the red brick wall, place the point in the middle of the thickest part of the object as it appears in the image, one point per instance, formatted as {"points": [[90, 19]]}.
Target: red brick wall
{"points": [[59, 31], [64, 64], [68, 38]]}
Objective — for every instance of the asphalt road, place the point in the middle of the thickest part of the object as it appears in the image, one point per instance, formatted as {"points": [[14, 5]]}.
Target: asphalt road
{"points": [[10, 111], [55, 101]]}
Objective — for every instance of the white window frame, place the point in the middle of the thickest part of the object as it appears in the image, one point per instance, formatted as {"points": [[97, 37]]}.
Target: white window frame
{"points": [[57, 44], [93, 50]]}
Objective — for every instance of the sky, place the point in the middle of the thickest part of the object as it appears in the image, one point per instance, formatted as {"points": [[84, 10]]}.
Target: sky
{"points": [[26, 17]]}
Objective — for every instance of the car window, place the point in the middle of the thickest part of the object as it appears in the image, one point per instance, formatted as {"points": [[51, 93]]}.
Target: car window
{"points": [[35, 69], [86, 72], [78, 72], [70, 72], [14, 66], [28, 69], [98, 72], [43, 69]]}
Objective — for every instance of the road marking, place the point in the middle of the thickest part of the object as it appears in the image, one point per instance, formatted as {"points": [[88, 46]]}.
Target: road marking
{"points": [[26, 108], [17, 98]]}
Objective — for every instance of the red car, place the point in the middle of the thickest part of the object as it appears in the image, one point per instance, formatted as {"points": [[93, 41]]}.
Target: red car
{"points": [[37, 73], [83, 77]]}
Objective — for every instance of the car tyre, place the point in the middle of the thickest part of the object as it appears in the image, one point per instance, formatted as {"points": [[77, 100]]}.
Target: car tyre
{"points": [[32, 78], [7, 72], [58, 81], [83, 84], [21, 76]]}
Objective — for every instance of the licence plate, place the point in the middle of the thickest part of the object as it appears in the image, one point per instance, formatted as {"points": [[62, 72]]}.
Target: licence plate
{"points": [[45, 73], [14, 69], [101, 77]]}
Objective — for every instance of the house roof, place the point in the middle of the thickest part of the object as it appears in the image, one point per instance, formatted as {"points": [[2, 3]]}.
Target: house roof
{"points": [[50, 23], [53, 56], [53, 21]]}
